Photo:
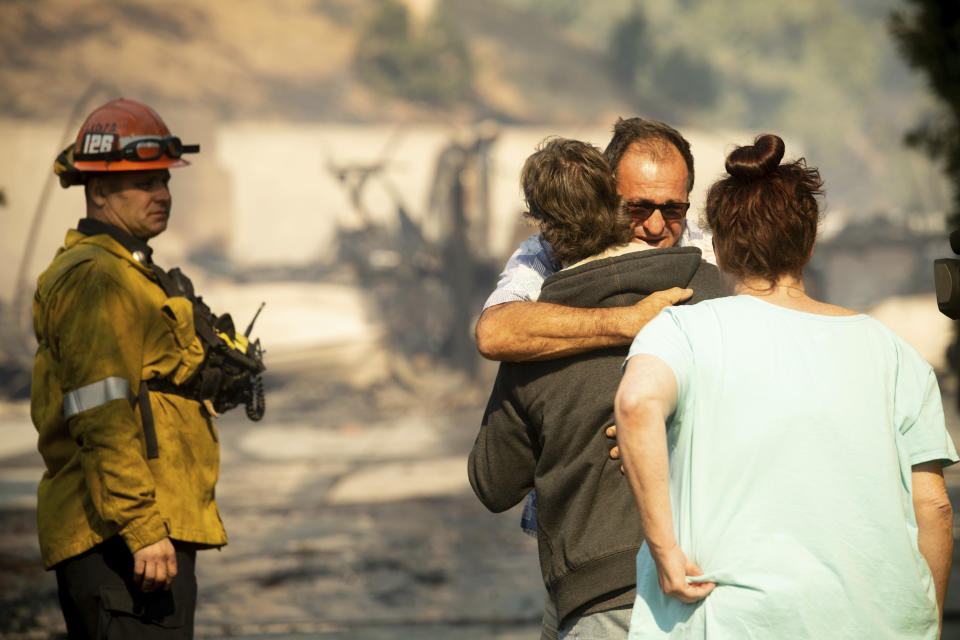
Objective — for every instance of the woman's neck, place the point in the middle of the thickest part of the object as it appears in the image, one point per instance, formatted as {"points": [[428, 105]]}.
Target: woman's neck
{"points": [[789, 292], [783, 287]]}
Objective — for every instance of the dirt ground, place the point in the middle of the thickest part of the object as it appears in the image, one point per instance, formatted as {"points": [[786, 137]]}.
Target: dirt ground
{"points": [[349, 516]]}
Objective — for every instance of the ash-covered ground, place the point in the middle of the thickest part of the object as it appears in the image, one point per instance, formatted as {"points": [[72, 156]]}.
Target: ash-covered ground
{"points": [[348, 512], [349, 516]]}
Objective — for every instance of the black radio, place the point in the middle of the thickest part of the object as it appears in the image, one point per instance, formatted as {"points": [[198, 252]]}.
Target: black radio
{"points": [[946, 274]]}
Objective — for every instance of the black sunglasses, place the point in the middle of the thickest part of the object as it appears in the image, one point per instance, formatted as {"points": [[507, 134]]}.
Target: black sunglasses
{"points": [[103, 146], [643, 209]]}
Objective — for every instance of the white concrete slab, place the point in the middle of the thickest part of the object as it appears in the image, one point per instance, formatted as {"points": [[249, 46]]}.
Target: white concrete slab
{"points": [[403, 481], [404, 437]]}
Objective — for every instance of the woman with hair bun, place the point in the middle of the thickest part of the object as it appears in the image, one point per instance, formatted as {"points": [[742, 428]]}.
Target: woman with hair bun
{"points": [[785, 454]]}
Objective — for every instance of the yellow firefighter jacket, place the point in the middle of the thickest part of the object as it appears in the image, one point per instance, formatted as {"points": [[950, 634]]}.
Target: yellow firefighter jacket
{"points": [[104, 325]]}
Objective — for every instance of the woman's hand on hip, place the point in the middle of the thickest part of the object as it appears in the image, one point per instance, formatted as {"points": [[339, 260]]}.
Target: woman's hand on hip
{"points": [[673, 567]]}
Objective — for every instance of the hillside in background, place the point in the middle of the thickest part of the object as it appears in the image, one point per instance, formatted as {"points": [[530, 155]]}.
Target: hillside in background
{"points": [[821, 72], [290, 59]]}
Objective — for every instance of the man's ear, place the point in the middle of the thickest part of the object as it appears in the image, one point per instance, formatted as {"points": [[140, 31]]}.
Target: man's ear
{"points": [[96, 189]]}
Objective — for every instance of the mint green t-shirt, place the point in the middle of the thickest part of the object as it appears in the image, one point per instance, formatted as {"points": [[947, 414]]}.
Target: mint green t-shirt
{"points": [[790, 474]]}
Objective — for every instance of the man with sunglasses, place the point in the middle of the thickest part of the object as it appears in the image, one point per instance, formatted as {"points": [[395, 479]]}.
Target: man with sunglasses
{"points": [[654, 170], [128, 493], [544, 423], [654, 176]]}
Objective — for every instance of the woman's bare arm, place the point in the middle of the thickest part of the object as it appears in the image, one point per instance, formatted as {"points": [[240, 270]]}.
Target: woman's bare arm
{"points": [[646, 397], [935, 522]]}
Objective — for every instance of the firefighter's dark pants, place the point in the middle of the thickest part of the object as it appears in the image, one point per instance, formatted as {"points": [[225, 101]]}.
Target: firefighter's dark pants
{"points": [[100, 600]]}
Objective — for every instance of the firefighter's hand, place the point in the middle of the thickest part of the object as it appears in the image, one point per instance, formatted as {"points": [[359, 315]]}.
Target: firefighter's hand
{"points": [[611, 432], [155, 566]]}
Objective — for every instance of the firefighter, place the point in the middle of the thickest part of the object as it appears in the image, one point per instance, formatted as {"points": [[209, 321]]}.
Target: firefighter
{"points": [[127, 497]]}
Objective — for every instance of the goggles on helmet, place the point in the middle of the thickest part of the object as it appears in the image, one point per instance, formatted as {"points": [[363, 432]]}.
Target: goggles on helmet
{"points": [[107, 147]]}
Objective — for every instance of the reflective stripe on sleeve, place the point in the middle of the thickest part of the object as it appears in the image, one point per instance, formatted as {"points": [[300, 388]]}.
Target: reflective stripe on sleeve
{"points": [[95, 394]]}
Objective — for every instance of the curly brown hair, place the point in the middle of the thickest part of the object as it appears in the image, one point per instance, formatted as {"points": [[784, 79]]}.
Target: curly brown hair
{"points": [[764, 215], [571, 194]]}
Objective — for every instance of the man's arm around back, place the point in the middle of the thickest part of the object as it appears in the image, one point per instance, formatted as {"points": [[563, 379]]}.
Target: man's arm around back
{"points": [[523, 331]]}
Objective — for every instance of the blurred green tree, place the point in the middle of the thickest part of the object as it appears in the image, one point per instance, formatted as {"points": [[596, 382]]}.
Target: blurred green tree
{"points": [[430, 64], [686, 79], [929, 39], [560, 11], [664, 81], [629, 50]]}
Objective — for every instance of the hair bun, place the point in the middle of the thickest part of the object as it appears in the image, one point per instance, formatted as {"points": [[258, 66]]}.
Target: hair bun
{"points": [[758, 160]]}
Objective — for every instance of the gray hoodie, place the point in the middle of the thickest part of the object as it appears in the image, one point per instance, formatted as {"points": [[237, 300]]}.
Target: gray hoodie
{"points": [[544, 428]]}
